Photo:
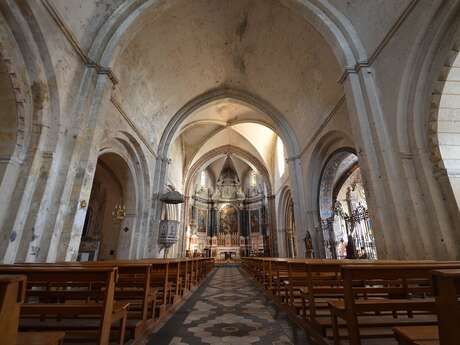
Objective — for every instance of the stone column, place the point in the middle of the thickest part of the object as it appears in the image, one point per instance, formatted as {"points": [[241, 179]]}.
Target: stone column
{"points": [[316, 233], [64, 236], [273, 229], [158, 187], [299, 199], [184, 220], [384, 181]]}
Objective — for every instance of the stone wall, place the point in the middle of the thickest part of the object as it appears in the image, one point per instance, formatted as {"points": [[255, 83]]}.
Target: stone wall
{"points": [[115, 76]]}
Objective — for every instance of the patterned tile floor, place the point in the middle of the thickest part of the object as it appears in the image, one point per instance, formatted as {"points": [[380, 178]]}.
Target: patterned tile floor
{"points": [[228, 309]]}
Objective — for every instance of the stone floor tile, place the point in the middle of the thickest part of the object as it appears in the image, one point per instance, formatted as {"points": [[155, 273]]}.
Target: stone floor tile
{"points": [[228, 310]]}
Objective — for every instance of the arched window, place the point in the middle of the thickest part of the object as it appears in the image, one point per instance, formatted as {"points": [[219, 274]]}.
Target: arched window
{"points": [[281, 160]]}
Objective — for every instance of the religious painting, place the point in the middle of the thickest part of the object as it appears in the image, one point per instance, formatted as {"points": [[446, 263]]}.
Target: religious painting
{"points": [[202, 220], [254, 220], [228, 220]]}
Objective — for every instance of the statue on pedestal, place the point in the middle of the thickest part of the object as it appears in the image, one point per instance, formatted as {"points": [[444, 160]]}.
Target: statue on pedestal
{"points": [[308, 246]]}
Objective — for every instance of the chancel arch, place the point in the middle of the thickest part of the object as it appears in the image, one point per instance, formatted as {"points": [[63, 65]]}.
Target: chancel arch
{"points": [[250, 143], [248, 110]]}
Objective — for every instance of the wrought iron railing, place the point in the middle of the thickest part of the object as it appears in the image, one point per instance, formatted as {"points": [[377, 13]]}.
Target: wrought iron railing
{"points": [[348, 236]]}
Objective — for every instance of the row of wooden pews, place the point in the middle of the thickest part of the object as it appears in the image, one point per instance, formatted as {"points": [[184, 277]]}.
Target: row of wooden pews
{"points": [[360, 302], [103, 302]]}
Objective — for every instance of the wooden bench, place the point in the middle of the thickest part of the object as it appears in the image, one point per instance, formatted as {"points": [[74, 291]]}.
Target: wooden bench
{"points": [[40, 338], [133, 287], [446, 289], [67, 294], [382, 296], [316, 282], [305, 287], [446, 285], [12, 294], [417, 335], [57, 295]]}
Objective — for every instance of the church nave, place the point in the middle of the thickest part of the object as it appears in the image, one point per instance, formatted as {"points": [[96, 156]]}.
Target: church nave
{"points": [[228, 309], [235, 171]]}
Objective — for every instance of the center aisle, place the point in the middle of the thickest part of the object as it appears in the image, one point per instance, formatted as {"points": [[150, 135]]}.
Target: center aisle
{"points": [[227, 309]]}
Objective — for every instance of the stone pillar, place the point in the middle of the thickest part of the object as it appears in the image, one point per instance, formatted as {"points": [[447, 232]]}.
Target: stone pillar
{"points": [[184, 221], [63, 237], [35, 187], [397, 236], [299, 199], [316, 233], [273, 228], [159, 179]]}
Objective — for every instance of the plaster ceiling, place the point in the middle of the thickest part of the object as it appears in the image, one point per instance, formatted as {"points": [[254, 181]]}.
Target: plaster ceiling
{"points": [[227, 122], [185, 48], [255, 139]]}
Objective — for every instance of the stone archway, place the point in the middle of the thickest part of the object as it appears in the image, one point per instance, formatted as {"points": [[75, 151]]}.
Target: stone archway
{"points": [[282, 128], [111, 214], [336, 30], [9, 130], [223, 150], [433, 203], [444, 131], [287, 231], [345, 228]]}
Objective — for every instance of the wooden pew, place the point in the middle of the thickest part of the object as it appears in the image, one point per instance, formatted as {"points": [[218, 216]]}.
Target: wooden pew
{"points": [[319, 282], [160, 281], [12, 294], [132, 286], [171, 280], [55, 295], [279, 276], [146, 285], [315, 282], [184, 267], [446, 287], [417, 335], [175, 281], [447, 291], [40, 338], [310, 284], [385, 295]]}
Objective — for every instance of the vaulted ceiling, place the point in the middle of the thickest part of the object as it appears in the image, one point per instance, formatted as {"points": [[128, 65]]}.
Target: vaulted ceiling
{"points": [[182, 49]]}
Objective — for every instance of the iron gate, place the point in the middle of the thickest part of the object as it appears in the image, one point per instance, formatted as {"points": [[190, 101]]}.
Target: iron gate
{"points": [[348, 236]]}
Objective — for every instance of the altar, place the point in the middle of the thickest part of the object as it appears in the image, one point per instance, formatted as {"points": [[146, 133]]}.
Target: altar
{"points": [[224, 253], [226, 221]]}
